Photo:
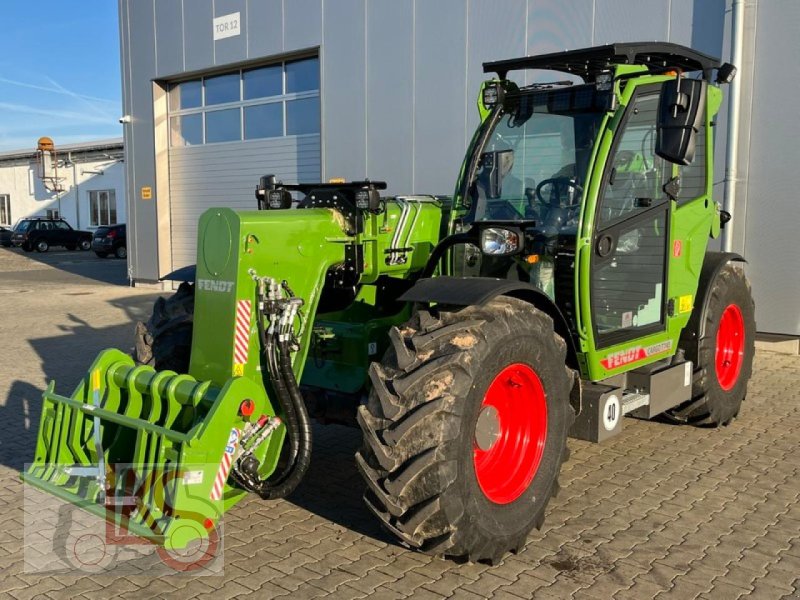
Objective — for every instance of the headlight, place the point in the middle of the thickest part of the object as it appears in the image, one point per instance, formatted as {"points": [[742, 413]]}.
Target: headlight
{"points": [[498, 241]]}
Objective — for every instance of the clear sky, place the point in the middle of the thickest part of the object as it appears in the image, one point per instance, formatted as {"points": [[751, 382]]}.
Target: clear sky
{"points": [[59, 72]]}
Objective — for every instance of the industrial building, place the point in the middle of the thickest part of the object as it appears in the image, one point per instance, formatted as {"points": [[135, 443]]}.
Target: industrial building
{"points": [[217, 93], [85, 185]]}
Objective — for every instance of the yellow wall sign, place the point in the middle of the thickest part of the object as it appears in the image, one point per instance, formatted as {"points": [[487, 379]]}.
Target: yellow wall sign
{"points": [[685, 304], [147, 192]]}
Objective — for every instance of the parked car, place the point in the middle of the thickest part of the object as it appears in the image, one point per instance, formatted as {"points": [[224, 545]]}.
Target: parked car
{"points": [[39, 233], [110, 240], [5, 236]]}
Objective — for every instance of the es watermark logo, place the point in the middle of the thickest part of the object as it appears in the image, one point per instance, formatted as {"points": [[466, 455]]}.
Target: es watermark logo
{"points": [[131, 528]]}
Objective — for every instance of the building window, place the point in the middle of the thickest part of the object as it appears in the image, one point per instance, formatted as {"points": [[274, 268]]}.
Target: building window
{"points": [[263, 102], [52, 213], [5, 209], [102, 207]]}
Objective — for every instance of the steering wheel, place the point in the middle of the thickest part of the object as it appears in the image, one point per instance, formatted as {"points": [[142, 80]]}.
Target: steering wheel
{"points": [[561, 186]]}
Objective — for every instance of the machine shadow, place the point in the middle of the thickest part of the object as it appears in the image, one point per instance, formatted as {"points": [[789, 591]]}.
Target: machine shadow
{"points": [[64, 358], [333, 487]]}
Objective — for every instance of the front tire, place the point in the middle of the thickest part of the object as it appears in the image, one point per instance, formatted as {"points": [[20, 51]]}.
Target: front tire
{"points": [[165, 341], [723, 357], [42, 246], [465, 429]]}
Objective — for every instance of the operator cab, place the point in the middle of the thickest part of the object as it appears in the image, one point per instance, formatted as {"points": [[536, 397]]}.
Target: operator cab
{"points": [[530, 172], [522, 197]]}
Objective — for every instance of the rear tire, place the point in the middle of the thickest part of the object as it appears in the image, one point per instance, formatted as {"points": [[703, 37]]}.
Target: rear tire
{"points": [[86, 244], [723, 358], [121, 252], [425, 429], [165, 341]]}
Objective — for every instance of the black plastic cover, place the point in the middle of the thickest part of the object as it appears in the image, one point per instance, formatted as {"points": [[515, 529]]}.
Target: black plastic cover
{"points": [[462, 291], [587, 63]]}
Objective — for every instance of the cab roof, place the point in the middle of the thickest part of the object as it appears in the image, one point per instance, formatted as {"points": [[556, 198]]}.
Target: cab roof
{"points": [[587, 63]]}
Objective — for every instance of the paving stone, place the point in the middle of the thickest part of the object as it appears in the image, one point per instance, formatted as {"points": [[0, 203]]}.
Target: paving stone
{"points": [[725, 590], [659, 511], [641, 588]]}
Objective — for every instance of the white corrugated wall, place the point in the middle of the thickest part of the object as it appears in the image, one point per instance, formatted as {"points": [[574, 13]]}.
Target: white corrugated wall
{"points": [[226, 174]]}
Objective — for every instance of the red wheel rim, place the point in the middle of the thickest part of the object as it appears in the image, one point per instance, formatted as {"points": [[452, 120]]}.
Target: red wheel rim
{"points": [[730, 347], [510, 433]]}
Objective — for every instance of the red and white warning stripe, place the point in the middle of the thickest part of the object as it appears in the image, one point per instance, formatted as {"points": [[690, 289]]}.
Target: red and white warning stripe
{"points": [[241, 336], [225, 464]]}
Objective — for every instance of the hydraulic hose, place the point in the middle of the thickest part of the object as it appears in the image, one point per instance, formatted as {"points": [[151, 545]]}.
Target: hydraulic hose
{"points": [[295, 416]]}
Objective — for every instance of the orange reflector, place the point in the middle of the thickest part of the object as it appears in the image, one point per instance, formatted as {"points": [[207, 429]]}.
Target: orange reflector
{"points": [[532, 259], [247, 407], [208, 524]]}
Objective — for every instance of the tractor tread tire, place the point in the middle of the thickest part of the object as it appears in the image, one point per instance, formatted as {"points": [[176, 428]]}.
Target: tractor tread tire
{"points": [[165, 340], [416, 420], [710, 405]]}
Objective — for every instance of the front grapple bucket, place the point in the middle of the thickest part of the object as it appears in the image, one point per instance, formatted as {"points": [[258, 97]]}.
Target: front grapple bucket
{"points": [[149, 451]]}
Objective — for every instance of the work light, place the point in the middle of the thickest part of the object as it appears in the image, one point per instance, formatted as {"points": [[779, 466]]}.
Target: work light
{"points": [[368, 198], [499, 241], [279, 198], [493, 93]]}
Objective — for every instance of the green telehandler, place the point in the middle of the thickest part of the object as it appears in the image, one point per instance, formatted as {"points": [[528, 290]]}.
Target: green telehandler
{"points": [[566, 284]]}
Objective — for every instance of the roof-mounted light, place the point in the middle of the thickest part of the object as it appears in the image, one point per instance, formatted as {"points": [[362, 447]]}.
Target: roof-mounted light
{"points": [[604, 81]]}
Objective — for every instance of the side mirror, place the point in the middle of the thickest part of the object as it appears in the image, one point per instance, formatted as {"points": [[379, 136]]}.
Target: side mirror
{"points": [[680, 116]]}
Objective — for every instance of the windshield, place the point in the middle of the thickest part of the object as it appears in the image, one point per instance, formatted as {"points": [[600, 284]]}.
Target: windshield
{"points": [[533, 163], [22, 226]]}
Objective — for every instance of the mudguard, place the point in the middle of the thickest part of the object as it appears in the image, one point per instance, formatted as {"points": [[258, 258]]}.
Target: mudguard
{"points": [[468, 291], [712, 265]]}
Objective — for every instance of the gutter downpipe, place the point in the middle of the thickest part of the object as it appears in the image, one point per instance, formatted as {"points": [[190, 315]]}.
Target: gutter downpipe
{"points": [[77, 191], [734, 105]]}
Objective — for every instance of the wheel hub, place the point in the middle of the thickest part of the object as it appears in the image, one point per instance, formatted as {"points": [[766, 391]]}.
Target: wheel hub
{"points": [[510, 433], [487, 429]]}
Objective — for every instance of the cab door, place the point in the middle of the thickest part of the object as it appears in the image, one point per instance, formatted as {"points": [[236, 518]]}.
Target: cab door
{"points": [[628, 285]]}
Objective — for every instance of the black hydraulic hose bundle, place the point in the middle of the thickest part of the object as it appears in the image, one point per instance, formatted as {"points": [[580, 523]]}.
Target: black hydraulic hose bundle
{"points": [[276, 349]]}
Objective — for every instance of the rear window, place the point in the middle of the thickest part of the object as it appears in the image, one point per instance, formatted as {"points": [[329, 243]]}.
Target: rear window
{"points": [[101, 231]]}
